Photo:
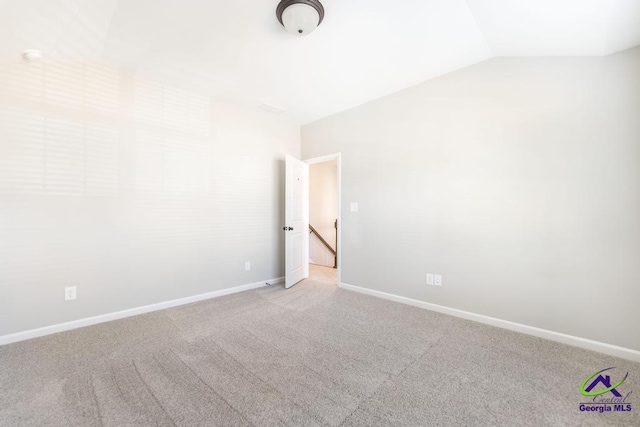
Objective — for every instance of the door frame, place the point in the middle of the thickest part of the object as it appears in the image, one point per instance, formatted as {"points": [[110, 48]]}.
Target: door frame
{"points": [[338, 158]]}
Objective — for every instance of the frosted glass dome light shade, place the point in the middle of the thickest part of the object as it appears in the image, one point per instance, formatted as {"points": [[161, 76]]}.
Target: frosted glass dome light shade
{"points": [[300, 17]]}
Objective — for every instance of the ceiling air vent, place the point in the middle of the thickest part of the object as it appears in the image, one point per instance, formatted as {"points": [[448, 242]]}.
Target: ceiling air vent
{"points": [[272, 109]]}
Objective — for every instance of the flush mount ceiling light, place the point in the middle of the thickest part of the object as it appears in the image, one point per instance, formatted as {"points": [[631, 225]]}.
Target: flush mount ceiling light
{"points": [[300, 17]]}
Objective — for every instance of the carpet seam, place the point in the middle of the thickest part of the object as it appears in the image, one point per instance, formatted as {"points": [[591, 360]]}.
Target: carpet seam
{"points": [[389, 379], [328, 345]]}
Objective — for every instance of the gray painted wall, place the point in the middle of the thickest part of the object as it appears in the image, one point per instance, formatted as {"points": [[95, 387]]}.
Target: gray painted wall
{"points": [[518, 180], [133, 191]]}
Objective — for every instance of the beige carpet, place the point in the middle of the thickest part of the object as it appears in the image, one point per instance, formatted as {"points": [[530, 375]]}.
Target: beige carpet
{"points": [[311, 355]]}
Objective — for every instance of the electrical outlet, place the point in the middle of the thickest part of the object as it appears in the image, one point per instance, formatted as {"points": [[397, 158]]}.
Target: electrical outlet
{"points": [[70, 293], [429, 279], [438, 280], [247, 266]]}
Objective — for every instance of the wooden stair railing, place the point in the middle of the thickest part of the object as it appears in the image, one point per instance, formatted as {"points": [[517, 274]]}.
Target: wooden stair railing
{"points": [[327, 245]]}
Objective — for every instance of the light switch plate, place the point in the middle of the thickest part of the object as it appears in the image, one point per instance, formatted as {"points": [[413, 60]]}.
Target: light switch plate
{"points": [[430, 279], [354, 206]]}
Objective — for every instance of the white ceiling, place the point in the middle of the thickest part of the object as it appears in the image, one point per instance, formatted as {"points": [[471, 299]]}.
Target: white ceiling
{"points": [[237, 51], [558, 27]]}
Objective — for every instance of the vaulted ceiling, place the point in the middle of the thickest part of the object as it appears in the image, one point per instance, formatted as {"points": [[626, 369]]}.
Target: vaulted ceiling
{"points": [[237, 51]]}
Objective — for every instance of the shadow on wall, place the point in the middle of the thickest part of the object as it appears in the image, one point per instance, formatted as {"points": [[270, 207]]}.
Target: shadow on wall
{"points": [[62, 133], [135, 191]]}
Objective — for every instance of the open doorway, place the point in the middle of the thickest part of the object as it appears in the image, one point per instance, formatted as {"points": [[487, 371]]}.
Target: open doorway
{"points": [[324, 218]]}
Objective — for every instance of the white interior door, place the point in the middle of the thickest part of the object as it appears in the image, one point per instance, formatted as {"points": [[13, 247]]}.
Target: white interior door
{"points": [[296, 227]]}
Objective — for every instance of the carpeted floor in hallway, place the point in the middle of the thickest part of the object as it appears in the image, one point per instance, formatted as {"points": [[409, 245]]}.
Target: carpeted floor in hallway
{"points": [[309, 356]]}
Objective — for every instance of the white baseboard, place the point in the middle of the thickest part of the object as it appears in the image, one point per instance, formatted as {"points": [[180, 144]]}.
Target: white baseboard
{"points": [[612, 350], [61, 327]]}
